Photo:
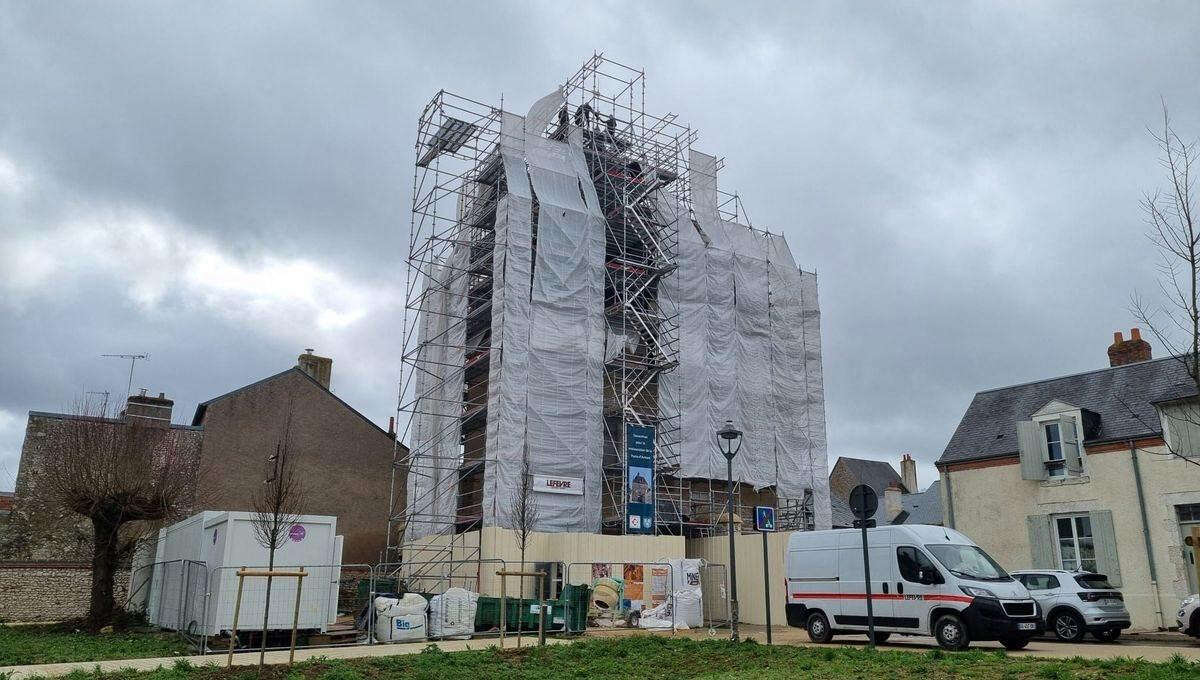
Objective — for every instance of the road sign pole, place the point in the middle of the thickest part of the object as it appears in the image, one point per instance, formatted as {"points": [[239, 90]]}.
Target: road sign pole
{"points": [[767, 585], [867, 576], [864, 502]]}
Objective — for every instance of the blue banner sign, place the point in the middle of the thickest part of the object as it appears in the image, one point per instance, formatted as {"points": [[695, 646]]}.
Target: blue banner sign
{"points": [[639, 463]]}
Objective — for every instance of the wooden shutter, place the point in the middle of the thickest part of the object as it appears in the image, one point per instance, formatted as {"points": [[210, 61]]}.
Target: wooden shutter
{"points": [[1041, 542], [1030, 441], [1104, 538], [1070, 445]]}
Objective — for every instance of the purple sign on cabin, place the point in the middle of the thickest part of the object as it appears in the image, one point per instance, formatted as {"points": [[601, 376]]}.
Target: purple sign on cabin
{"points": [[296, 533]]}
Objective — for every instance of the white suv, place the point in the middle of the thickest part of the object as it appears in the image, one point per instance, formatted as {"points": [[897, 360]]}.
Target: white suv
{"points": [[1075, 603], [1188, 617]]}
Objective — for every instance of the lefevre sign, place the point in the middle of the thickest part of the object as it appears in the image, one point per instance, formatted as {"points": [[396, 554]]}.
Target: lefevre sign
{"points": [[569, 485]]}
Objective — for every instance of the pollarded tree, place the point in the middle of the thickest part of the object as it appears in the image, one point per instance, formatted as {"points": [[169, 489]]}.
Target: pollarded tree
{"points": [[123, 476]]}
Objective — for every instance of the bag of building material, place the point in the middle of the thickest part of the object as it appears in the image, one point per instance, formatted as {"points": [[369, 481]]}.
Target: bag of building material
{"points": [[400, 620], [688, 610], [452, 614], [657, 617], [685, 574]]}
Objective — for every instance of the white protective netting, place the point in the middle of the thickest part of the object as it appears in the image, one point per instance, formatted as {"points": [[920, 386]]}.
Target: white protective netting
{"points": [[750, 352], [557, 413]]}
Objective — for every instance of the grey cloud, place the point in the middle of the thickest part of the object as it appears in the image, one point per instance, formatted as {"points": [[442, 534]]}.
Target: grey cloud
{"points": [[964, 177]]}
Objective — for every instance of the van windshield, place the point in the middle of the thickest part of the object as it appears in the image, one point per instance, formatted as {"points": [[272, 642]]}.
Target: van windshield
{"points": [[968, 561]]}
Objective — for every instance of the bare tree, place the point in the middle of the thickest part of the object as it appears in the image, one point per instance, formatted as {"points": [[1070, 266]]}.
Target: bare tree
{"points": [[277, 506], [122, 476], [1175, 323], [525, 519]]}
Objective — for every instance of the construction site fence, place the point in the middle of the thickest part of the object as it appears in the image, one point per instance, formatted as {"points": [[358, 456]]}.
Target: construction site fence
{"points": [[198, 602]]}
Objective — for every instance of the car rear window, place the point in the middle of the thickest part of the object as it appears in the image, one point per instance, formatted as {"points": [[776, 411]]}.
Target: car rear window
{"points": [[1094, 582]]}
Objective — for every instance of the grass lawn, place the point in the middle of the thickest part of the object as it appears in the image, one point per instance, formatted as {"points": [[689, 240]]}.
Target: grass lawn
{"points": [[655, 658], [60, 642]]}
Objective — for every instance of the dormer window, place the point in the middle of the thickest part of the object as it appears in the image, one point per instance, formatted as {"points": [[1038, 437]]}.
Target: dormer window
{"points": [[1050, 444]]}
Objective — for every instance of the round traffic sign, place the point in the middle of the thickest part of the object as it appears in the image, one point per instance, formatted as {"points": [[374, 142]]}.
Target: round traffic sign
{"points": [[863, 501]]}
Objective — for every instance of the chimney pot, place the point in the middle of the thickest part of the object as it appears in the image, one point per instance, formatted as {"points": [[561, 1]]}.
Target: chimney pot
{"points": [[1130, 351]]}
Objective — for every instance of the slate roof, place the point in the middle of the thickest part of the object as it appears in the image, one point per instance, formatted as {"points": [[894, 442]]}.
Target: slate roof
{"points": [[876, 474], [843, 517], [924, 507], [1122, 396]]}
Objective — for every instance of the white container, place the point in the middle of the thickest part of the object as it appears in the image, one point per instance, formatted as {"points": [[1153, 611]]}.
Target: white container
{"points": [[202, 554]]}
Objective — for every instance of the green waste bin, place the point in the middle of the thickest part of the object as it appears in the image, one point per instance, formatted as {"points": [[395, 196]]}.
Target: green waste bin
{"points": [[487, 614], [572, 607]]}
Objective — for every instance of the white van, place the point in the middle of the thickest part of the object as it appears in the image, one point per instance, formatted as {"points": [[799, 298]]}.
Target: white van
{"points": [[925, 580]]}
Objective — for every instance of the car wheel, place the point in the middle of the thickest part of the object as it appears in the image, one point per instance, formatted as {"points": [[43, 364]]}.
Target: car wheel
{"points": [[1107, 635], [1013, 644], [951, 633], [1068, 626], [818, 628], [881, 637]]}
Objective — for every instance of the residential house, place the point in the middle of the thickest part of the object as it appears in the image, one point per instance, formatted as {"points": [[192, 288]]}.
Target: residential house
{"points": [[899, 500], [30, 535], [343, 457], [1074, 472]]}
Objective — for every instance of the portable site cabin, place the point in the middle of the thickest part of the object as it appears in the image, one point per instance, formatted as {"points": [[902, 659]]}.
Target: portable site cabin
{"points": [[194, 584]]}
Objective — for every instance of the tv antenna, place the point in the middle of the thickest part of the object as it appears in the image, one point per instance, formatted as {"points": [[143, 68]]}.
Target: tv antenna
{"points": [[132, 360]]}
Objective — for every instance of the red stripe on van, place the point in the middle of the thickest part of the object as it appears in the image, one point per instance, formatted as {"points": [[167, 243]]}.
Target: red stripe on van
{"points": [[966, 599]]}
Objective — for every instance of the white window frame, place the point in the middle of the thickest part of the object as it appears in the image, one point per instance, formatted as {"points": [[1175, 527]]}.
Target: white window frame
{"points": [[1055, 467], [1058, 557], [1052, 413]]}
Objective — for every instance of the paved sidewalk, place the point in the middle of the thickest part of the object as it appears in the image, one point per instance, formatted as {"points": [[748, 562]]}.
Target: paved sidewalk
{"points": [[276, 657]]}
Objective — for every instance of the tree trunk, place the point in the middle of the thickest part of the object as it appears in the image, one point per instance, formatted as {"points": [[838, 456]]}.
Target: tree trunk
{"points": [[102, 606]]}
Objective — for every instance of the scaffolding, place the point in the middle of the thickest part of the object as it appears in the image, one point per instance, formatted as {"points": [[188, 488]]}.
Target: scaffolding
{"points": [[485, 183]]}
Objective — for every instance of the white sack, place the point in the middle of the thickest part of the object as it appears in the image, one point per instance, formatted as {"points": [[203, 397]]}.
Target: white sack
{"points": [[452, 614]]}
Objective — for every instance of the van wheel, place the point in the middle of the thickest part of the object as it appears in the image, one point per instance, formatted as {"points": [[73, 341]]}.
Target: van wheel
{"points": [[951, 633], [1013, 644], [881, 638], [818, 628], [1067, 626]]}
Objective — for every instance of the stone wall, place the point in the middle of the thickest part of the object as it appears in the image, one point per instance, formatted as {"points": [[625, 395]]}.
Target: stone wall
{"points": [[49, 591]]}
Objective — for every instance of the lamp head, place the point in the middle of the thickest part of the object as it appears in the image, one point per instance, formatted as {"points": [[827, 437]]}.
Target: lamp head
{"points": [[729, 440]]}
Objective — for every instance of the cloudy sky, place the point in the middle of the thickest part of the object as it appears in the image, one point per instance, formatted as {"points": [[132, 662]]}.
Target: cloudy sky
{"points": [[222, 185]]}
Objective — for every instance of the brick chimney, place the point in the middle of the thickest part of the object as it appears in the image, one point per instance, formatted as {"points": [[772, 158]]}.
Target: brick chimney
{"points": [[320, 368], [908, 472], [147, 410], [891, 501], [1129, 351]]}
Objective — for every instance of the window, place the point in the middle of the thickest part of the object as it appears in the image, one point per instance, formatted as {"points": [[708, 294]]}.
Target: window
{"points": [[1076, 549], [1094, 582], [968, 561], [1189, 512], [912, 562], [1055, 466], [1039, 581]]}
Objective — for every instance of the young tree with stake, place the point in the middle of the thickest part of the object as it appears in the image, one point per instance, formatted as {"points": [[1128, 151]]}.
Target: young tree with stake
{"points": [[525, 519], [277, 506]]}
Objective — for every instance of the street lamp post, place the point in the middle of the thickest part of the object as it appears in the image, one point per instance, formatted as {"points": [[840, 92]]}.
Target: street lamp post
{"points": [[730, 442]]}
